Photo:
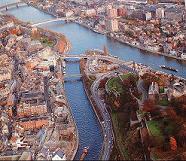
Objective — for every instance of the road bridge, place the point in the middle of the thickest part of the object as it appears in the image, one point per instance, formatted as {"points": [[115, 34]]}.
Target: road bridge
{"points": [[72, 77], [72, 60], [72, 80], [12, 5], [74, 56], [54, 20]]}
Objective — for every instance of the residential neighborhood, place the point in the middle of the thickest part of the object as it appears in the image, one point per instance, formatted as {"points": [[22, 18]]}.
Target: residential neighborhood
{"points": [[36, 120], [156, 27]]}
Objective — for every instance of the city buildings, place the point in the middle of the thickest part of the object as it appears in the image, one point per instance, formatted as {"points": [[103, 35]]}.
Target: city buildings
{"points": [[112, 25], [145, 25], [35, 113], [90, 12], [30, 79], [174, 14], [160, 13], [112, 13], [153, 91]]}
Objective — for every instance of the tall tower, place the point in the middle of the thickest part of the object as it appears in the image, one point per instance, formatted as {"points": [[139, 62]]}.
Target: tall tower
{"points": [[106, 53]]}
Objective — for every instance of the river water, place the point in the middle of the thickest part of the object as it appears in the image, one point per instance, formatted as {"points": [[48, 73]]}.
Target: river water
{"points": [[81, 40], [5, 2]]}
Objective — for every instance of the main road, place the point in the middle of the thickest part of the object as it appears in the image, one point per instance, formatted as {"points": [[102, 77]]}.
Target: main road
{"points": [[107, 125]]}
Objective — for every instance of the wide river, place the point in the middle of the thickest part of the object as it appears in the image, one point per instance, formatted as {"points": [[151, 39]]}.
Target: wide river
{"points": [[81, 40]]}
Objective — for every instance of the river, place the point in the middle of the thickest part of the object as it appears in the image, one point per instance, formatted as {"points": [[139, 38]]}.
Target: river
{"points": [[87, 123], [82, 39], [4, 2]]}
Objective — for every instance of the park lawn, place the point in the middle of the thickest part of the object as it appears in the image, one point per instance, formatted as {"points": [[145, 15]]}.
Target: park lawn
{"points": [[158, 128], [115, 84], [46, 42], [155, 129], [164, 102]]}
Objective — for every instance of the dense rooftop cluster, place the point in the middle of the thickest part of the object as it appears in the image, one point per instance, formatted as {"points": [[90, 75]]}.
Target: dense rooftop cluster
{"points": [[35, 120], [153, 26]]}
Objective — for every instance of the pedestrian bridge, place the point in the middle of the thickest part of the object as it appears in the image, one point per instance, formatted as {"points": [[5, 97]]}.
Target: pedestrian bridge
{"points": [[12, 5], [54, 20]]}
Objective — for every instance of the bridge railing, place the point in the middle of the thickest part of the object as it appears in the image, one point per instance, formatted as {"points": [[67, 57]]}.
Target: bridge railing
{"points": [[54, 20], [73, 75]]}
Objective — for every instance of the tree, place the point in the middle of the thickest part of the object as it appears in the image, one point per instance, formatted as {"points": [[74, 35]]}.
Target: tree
{"points": [[61, 46], [171, 113], [173, 143], [179, 105], [181, 137], [148, 106]]}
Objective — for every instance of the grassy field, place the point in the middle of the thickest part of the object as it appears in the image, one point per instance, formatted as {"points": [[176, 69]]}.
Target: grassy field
{"points": [[155, 131], [164, 102], [154, 127], [160, 128], [47, 42], [115, 84]]}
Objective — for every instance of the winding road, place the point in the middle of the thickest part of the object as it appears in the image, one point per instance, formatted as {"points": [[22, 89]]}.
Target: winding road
{"points": [[107, 125]]}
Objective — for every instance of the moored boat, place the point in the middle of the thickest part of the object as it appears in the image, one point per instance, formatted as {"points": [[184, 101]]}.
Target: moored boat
{"points": [[168, 68], [85, 152]]}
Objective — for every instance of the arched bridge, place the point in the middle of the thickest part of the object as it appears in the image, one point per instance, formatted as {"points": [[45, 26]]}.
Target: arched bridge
{"points": [[12, 5], [54, 20]]}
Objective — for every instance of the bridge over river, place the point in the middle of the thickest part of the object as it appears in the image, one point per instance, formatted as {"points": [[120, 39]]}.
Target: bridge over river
{"points": [[72, 77], [12, 5], [54, 20]]}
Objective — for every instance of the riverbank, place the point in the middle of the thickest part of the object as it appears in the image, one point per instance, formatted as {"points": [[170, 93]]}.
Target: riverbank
{"points": [[62, 44], [127, 43], [147, 50]]}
